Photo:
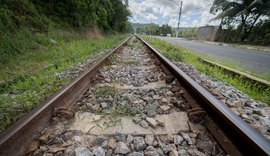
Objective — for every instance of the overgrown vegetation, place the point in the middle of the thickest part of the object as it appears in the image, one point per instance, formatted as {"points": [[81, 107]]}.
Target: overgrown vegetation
{"points": [[247, 21], [132, 62], [33, 77], [177, 53], [31, 24], [116, 59], [40, 39], [152, 29], [103, 91], [163, 30]]}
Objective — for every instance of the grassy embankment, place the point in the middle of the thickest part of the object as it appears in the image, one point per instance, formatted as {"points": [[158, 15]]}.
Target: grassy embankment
{"points": [[178, 53], [28, 78]]}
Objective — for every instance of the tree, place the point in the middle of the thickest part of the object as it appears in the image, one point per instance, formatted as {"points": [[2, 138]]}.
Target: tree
{"points": [[165, 29], [120, 16], [245, 13]]}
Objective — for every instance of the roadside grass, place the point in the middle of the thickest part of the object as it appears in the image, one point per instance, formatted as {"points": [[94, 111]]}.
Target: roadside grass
{"points": [[178, 53], [249, 46], [232, 64], [30, 78]]}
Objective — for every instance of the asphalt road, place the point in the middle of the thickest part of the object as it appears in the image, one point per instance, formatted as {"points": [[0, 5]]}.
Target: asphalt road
{"points": [[255, 61]]}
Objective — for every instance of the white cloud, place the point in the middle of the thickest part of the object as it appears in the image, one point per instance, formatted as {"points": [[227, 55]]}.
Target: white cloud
{"points": [[205, 19], [173, 22], [194, 13], [150, 17]]}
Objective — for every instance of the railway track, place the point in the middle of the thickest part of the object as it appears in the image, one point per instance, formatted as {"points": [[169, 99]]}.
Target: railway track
{"points": [[132, 102]]}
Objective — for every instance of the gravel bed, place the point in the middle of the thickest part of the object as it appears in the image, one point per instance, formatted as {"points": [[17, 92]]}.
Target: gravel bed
{"points": [[132, 85], [80, 144], [254, 112]]}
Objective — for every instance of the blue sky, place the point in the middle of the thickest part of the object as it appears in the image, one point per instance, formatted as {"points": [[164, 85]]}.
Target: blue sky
{"points": [[195, 13]]}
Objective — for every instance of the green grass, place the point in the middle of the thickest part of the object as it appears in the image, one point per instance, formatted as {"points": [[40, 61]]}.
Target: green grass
{"points": [[103, 91], [116, 59], [177, 53], [30, 78], [134, 44], [131, 62]]}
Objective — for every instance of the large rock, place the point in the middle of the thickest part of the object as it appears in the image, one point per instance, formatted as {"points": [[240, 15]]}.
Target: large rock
{"points": [[109, 152], [165, 108], [135, 154], [169, 79], [195, 152], [165, 148], [175, 89], [149, 139], [151, 113], [99, 151], [100, 139], [183, 152], [150, 148], [129, 138], [121, 148], [187, 138], [164, 100], [82, 151], [169, 93], [170, 138], [151, 153], [206, 146], [171, 147], [152, 122], [104, 105], [173, 153], [120, 137], [160, 152], [177, 140], [136, 119], [144, 124], [139, 143], [112, 143]]}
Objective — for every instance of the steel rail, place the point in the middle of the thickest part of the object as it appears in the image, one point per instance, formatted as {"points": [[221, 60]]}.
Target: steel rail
{"points": [[16, 139], [246, 138]]}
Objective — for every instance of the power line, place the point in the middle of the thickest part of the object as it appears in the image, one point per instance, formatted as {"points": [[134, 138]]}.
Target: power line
{"points": [[196, 8]]}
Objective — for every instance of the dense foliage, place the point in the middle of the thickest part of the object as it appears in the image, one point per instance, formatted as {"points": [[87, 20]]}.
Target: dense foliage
{"points": [[152, 29], [251, 18], [23, 23]]}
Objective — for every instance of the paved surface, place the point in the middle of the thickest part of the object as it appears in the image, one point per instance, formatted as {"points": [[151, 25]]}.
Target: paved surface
{"points": [[251, 60]]}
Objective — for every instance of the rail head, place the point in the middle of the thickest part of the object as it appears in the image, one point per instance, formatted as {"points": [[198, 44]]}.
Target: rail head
{"points": [[247, 135], [11, 142]]}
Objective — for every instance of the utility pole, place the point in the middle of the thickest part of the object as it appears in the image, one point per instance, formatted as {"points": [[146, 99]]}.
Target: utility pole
{"points": [[180, 11], [179, 19]]}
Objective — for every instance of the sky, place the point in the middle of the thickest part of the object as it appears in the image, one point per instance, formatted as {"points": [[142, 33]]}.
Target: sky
{"points": [[195, 13]]}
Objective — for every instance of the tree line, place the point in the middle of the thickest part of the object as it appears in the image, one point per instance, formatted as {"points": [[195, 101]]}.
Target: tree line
{"points": [[29, 24], [152, 29], [248, 21], [108, 15]]}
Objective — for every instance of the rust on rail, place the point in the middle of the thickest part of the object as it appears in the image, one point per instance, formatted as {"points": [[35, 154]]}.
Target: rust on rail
{"points": [[15, 139], [247, 140]]}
